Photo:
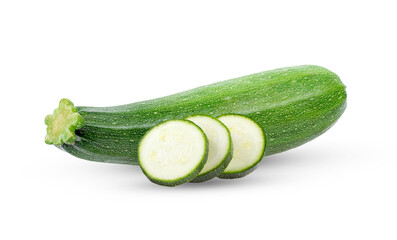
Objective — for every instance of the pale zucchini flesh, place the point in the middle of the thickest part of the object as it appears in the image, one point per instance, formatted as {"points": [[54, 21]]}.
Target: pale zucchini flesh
{"points": [[219, 146], [173, 152], [248, 141]]}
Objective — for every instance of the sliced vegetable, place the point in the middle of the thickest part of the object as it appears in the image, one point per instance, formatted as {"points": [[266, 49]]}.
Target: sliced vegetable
{"points": [[293, 105], [220, 146], [248, 141], [173, 152]]}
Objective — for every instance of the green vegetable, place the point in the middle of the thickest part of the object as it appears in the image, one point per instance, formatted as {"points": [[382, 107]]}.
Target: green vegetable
{"points": [[248, 141], [293, 105], [220, 150], [173, 152]]}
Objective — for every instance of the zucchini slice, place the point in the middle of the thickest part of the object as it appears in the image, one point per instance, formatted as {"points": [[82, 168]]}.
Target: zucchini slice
{"points": [[173, 152], [248, 141], [220, 146]]}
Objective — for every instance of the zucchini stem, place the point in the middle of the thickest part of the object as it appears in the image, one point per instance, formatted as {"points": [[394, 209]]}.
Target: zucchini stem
{"points": [[61, 125]]}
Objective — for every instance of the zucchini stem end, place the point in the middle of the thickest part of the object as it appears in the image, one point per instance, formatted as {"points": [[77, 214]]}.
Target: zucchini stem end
{"points": [[61, 125]]}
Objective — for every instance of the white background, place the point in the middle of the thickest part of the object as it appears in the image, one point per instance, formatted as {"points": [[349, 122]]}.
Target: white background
{"points": [[342, 185]]}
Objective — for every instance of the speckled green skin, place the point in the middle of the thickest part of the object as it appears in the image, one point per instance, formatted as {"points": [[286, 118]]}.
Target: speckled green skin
{"points": [[293, 106]]}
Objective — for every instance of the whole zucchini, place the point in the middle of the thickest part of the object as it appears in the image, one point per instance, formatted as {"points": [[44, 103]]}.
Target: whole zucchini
{"points": [[293, 105]]}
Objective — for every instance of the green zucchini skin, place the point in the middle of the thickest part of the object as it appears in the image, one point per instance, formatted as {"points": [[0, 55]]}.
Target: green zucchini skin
{"points": [[293, 105], [239, 174]]}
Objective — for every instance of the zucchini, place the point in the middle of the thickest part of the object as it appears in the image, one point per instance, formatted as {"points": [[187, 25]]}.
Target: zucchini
{"points": [[173, 152], [293, 105], [220, 147], [248, 141]]}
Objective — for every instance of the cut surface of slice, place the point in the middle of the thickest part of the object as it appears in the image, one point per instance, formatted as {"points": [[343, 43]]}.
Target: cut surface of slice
{"points": [[173, 152], [248, 141], [219, 146]]}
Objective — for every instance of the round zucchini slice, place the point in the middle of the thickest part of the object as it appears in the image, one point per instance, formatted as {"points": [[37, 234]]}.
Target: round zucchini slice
{"points": [[220, 147], [173, 152], [248, 141]]}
